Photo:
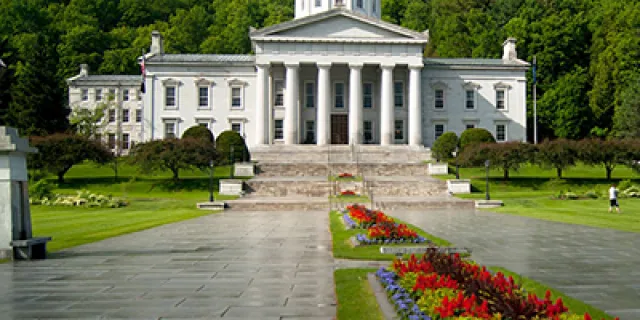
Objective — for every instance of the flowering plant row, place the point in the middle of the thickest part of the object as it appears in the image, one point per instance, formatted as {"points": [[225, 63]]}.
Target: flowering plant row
{"points": [[366, 218], [443, 286], [345, 175], [381, 229], [347, 193]]}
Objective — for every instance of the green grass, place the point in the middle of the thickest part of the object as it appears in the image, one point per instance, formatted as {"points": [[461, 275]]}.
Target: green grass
{"points": [[529, 192], [72, 226], [356, 299], [342, 246], [575, 306], [4, 261], [351, 199]]}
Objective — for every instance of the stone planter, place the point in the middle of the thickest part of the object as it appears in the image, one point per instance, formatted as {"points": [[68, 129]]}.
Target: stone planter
{"points": [[244, 169], [439, 168], [231, 187], [459, 186]]}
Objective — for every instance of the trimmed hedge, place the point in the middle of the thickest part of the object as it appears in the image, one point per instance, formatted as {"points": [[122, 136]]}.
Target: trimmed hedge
{"points": [[444, 146], [225, 141], [198, 132], [475, 136]]}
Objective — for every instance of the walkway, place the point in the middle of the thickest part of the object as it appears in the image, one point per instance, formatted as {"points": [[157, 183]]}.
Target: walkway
{"points": [[234, 265], [598, 266]]}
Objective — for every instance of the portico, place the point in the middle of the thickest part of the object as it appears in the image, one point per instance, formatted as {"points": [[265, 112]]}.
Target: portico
{"points": [[356, 89]]}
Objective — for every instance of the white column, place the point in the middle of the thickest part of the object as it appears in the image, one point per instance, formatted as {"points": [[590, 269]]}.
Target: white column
{"points": [[415, 106], [291, 105], [355, 103], [262, 103], [386, 112], [324, 105]]}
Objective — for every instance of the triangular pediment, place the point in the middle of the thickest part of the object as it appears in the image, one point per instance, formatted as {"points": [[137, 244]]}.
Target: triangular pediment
{"points": [[338, 24]]}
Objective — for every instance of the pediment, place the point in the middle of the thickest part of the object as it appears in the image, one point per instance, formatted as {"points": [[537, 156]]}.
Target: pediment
{"points": [[338, 24]]}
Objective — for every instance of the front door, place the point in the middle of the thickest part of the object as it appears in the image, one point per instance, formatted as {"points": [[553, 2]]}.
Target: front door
{"points": [[339, 129]]}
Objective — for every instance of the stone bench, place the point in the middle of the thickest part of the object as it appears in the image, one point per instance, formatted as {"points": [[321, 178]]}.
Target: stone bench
{"points": [[30, 249]]}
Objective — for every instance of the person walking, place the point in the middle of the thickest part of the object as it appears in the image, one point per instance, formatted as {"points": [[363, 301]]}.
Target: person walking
{"points": [[613, 198]]}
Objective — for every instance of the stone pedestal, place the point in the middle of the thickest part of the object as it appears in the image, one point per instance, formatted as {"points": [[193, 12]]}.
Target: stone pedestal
{"points": [[439, 168], [15, 215], [216, 205], [480, 204], [459, 186], [230, 187], [244, 169]]}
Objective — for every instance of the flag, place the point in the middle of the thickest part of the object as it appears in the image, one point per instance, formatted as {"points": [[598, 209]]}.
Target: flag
{"points": [[534, 70], [142, 72]]}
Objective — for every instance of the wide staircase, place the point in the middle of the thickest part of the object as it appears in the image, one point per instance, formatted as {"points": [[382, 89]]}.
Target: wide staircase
{"points": [[297, 178]]}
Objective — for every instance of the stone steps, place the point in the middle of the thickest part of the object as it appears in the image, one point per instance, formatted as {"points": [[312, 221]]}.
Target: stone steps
{"points": [[271, 169], [339, 154], [252, 203]]}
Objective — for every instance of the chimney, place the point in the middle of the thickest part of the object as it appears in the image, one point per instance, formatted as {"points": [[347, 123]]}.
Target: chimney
{"points": [[84, 70], [156, 43], [509, 52]]}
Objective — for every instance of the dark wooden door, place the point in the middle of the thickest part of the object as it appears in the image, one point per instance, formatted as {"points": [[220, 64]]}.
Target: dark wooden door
{"points": [[339, 129]]}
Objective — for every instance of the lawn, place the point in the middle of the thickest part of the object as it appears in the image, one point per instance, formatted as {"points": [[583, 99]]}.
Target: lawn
{"points": [[355, 296], [342, 246], [529, 193]]}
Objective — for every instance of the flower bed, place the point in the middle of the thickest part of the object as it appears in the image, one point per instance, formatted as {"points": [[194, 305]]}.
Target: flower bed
{"points": [[443, 286], [381, 229], [348, 193], [345, 175], [84, 198]]}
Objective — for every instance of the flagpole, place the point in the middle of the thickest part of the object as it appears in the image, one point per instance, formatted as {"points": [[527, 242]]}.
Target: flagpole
{"points": [[142, 69], [535, 107]]}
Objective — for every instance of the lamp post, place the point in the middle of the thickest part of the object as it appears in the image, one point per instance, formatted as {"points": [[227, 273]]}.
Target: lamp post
{"points": [[232, 163], [486, 165], [211, 169], [455, 155]]}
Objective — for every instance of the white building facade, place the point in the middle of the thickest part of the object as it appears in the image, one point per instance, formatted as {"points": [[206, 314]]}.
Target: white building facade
{"points": [[336, 74]]}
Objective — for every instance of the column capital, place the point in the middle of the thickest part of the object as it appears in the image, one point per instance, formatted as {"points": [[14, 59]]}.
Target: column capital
{"points": [[292, 65], [324, 64], [265, 65], [356, 65], [416, 66], [387, 66]]}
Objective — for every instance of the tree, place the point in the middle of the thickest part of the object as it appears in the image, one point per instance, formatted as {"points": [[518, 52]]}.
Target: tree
{"points": [[173, 155], [444, 146], [88, 122], [558, 154], [475, 135], [505, 156], [607, 153], [228, 140], [198, 132], [626, 120], [58, 153]]}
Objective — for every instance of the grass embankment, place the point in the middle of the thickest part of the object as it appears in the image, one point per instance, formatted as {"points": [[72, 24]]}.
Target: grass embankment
{"points": [[154, 201], [350, 199], [342, 245], [575, 306], [356, 299], [529, 192]]}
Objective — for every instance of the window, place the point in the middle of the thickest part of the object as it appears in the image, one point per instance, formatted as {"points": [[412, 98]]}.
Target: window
{"points": [[500, 103], [236, 97], [310, 133], [439, 96], [318, 3], [470, 99], [203, 97], [125, 141], [309, 94], [169, 130], [237, 127], [367, 95], [470, 126], [501, 132], [139, 115], [278, 93], [278, 127], [368, 131], [170, 97], [112, 141], [125, 94], [399, 130], [125, 115], [85, 95], [398, 94], [112, 115], [439, 129], [339, 95], [98, 137], [359, 4], [139, 95], [98, 94], [203, 124]]}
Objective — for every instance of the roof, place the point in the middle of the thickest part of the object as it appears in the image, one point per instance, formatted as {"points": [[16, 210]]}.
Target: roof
{"points": [[115, 79], [269, 31], [474, 62], [206, 58]]}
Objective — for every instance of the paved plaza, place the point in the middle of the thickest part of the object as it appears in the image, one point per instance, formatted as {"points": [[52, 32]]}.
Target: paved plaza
{"points": [[597, 266], [234, 265]]}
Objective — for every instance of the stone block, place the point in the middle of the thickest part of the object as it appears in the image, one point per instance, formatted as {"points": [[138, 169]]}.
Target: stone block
{"points": [[244, 169], [216, 205], [489, 204], [459, 186], [440, 168], [231, 187]]}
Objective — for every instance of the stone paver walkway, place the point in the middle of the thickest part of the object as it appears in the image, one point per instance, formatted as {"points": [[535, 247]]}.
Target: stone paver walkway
{"points": [[234, 265], [598, 266]]}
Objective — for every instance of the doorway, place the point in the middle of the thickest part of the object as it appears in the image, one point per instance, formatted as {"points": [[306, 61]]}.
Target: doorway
{"points": [[339, 129]]}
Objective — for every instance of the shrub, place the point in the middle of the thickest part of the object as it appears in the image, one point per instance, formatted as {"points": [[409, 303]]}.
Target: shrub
{"points": [[607, 153], [83, 198], [198, 132], [444, 146], [173, 155], [41, 189], [228, 139], [506, 156], [558, 154], [474, 136], [625, 184], [592, 194]]}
